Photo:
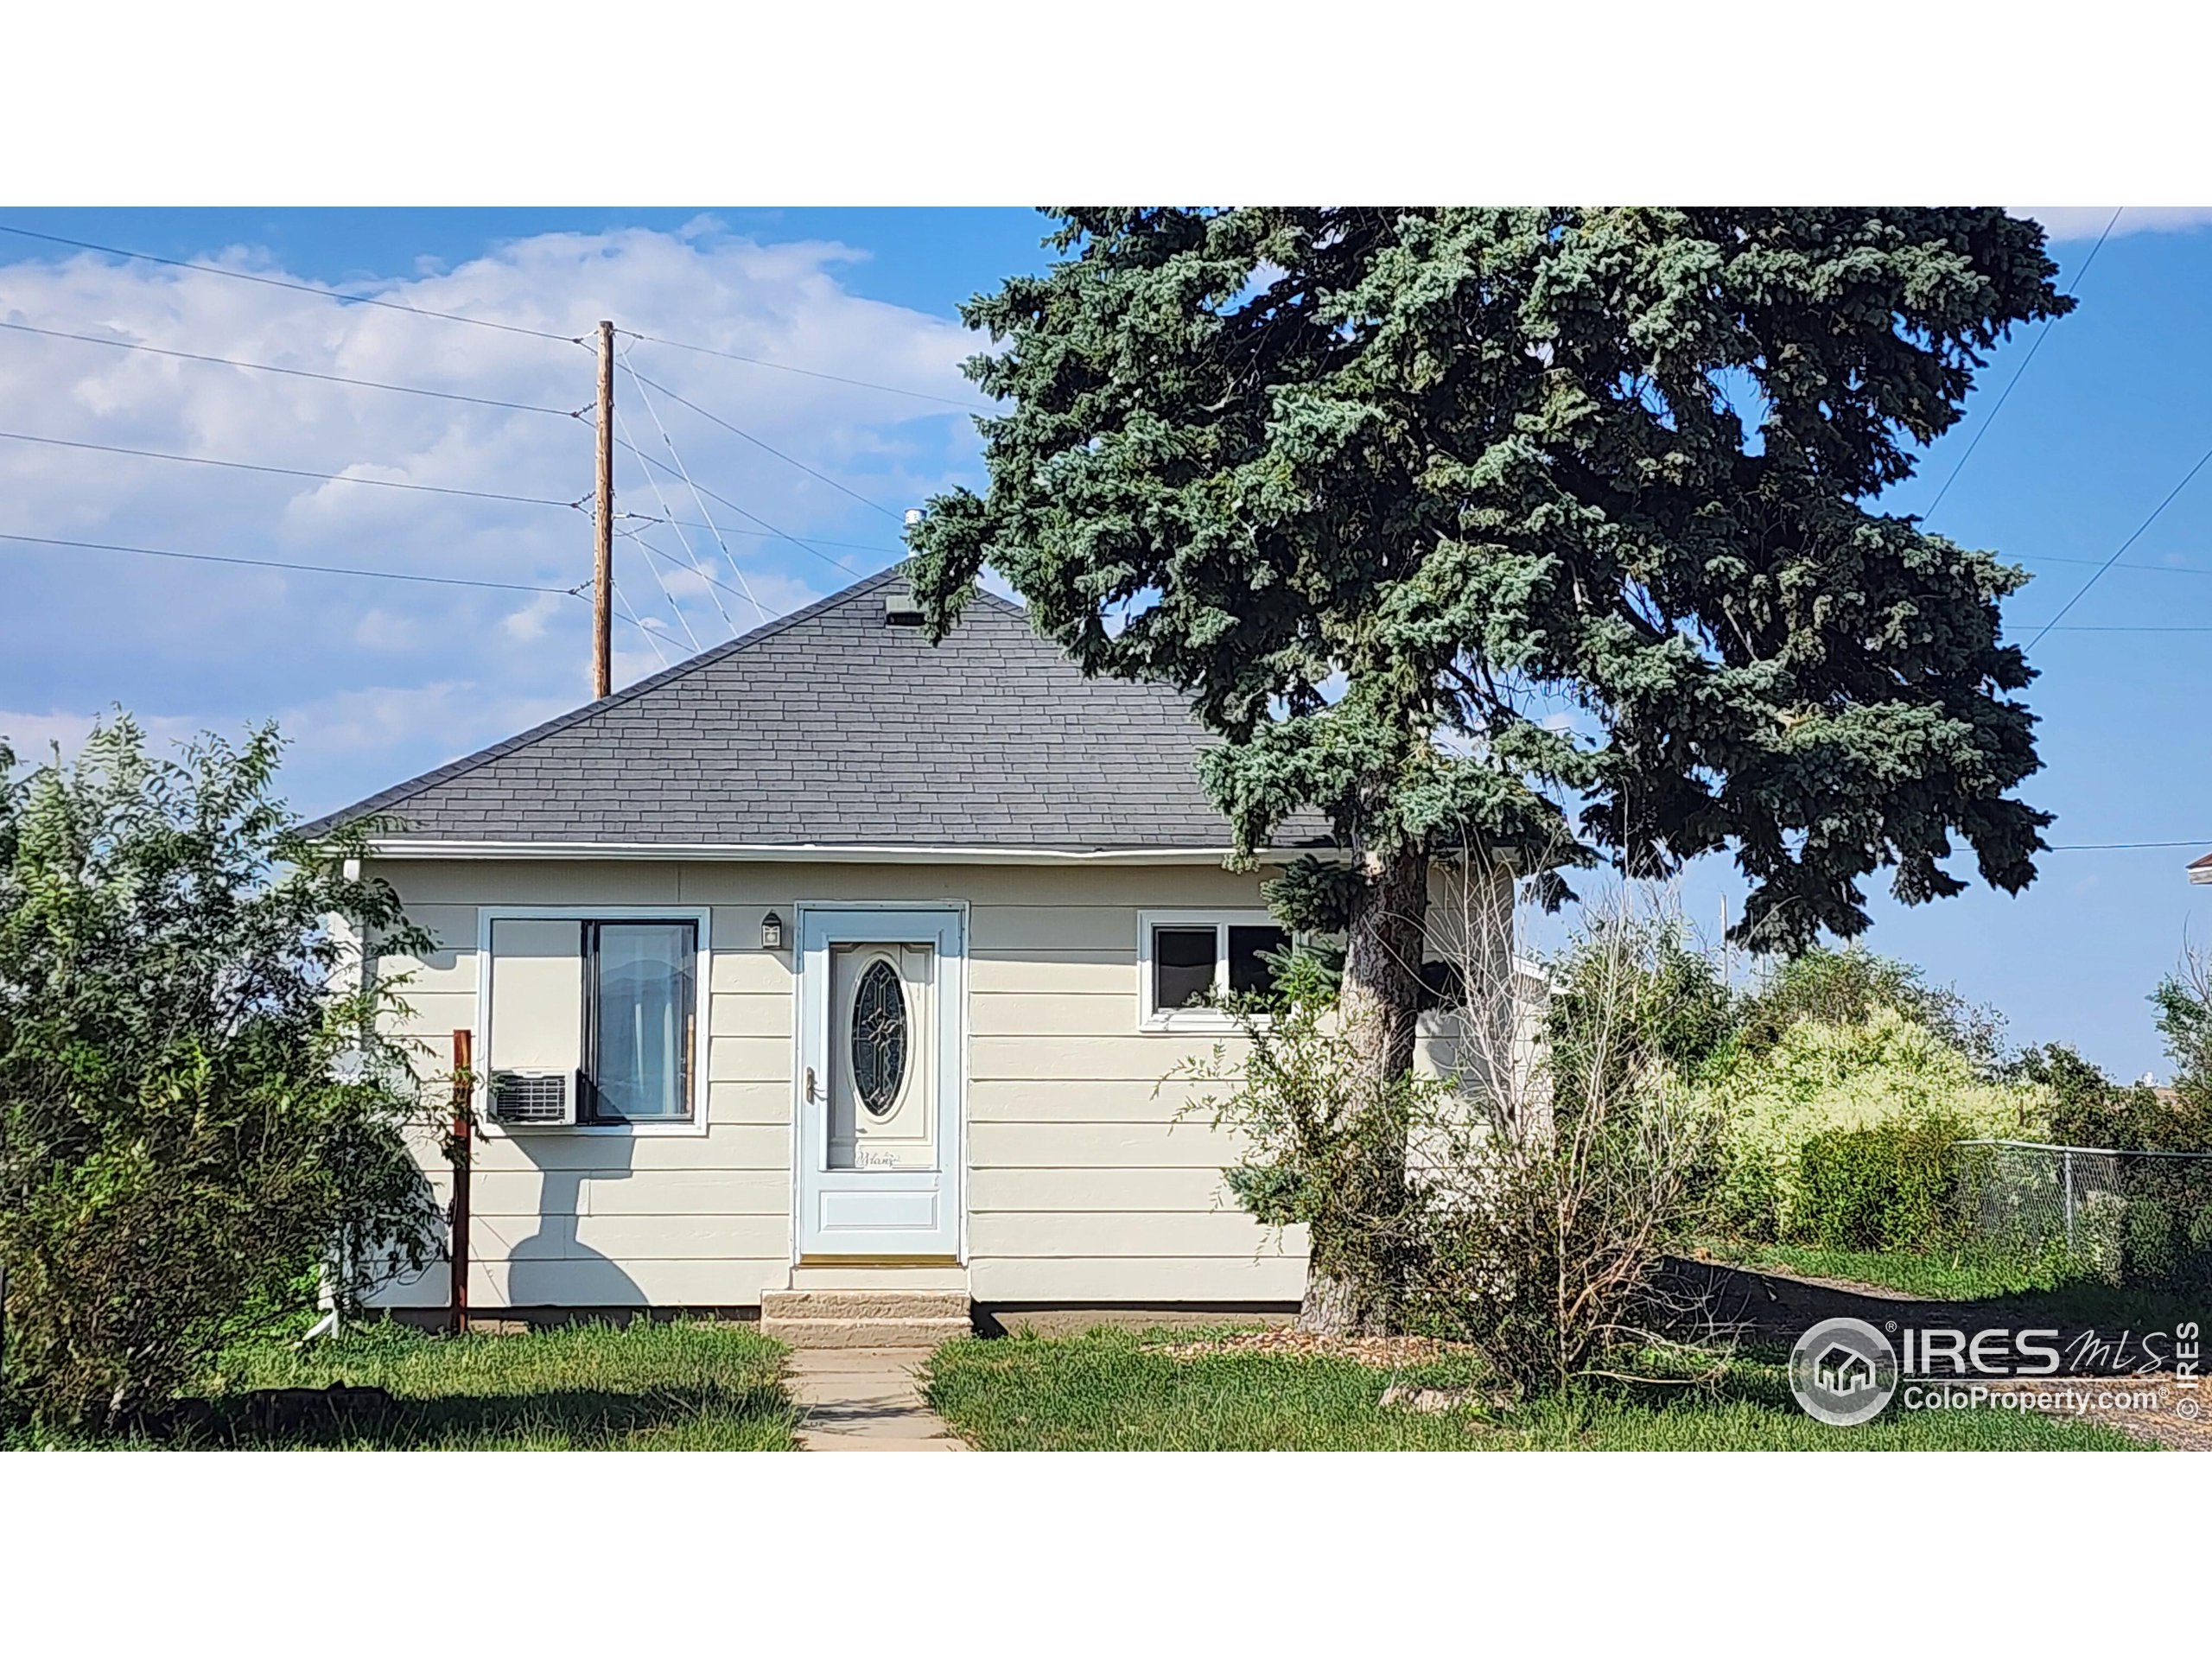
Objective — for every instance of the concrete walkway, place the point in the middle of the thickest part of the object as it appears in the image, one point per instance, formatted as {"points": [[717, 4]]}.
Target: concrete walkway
{"points": [[865, 1399]]}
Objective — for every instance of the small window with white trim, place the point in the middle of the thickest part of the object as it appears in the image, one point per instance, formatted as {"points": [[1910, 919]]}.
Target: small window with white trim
{"points": [[593, 1021], [1189, 960]]}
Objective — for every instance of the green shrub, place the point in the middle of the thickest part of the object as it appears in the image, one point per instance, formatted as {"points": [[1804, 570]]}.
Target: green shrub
{"points": [[2146, 1243], [2166, 1228], [196, 1111], [1893, 1187], [1851, 986], [2090, 1109], [1818, 1077]]}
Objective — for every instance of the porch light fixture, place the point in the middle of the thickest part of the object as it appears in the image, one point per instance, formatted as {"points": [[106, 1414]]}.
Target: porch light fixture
{"points": [[772, 932]]}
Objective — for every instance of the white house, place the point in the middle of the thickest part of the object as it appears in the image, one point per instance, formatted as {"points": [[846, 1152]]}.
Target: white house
{"points": [[840, 972]]}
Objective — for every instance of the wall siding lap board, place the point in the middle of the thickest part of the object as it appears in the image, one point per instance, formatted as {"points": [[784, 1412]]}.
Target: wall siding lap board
{"points": [[939, 1078]]}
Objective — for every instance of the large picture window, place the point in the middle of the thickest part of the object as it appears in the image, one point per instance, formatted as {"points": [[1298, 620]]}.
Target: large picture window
{"points": [[595, 1019]]}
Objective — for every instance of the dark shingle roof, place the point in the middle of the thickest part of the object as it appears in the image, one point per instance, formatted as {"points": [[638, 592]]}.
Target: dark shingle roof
{"points": [[830, 727]]}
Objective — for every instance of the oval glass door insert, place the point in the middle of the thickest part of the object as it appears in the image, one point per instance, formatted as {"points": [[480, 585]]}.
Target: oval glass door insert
{"points": [[878, 1036]]}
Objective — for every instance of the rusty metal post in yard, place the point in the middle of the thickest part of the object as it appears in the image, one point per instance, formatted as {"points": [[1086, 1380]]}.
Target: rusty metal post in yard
{"points": [[602, 570], [464, 1085]]}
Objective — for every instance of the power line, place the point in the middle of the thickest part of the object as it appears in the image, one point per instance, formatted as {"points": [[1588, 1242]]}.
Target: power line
{"points": [[698, 570], [728, 558], [622, 609], [812, 546], [2125, 564], [766, 528], [297, 288], [812, 541], [2124, 846], [690, 561], [2042, 335], [276, 368], [282, 564], [286, 472], [483, 322], [2098, 574], [759, 443], [811, 374]]}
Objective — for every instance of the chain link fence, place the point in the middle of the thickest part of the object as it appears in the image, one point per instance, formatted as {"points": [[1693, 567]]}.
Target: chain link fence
{"points": [[2140, 1218]]}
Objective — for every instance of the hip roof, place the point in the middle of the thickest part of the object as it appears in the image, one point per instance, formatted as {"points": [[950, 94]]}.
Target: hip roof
{"points": [[834, 726]]}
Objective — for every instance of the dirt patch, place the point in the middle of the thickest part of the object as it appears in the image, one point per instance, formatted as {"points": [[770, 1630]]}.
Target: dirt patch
{"points": [[1382, 1353], [2173, 1422]]}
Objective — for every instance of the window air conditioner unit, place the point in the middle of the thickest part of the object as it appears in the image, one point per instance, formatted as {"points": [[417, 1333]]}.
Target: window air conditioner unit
{"points": [[534, 1100]]}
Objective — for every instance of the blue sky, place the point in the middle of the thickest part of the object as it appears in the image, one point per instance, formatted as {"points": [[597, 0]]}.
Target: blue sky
{"points": [[379, 680]]}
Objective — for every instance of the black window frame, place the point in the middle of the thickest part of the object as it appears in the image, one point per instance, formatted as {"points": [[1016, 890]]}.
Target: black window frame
{"points": [[1224, 926], [1229, 932], [1213, 965]]}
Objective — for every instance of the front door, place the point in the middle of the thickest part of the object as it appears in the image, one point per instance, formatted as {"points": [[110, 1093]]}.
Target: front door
{"points": [[879, 1086]]}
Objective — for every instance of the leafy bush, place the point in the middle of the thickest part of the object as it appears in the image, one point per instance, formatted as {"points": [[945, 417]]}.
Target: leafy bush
{"points": [[1553, 1191], [1327, 1154], [1662, 1002], [2166, 1235], [2146, 1243], [1524, 1210], [1851, 986], [196, 1111], [1890, 1186], [1816, 1078], [2090, 1109]]}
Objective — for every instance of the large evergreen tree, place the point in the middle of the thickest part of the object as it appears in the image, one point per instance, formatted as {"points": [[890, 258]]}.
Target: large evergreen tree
{"points": [[1387, 490]]}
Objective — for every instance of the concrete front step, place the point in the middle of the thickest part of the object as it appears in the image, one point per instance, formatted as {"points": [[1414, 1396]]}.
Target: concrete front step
{"points": [[865, 1319], [864, 1333], [874, 1303]]}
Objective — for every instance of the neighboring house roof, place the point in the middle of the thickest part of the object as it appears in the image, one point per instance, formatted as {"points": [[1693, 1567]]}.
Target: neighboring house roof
{"points": [[2200, 871], [834, 727]]}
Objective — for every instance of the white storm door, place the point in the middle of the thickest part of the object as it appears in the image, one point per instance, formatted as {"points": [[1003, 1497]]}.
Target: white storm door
{"points": [[881, 1012]]}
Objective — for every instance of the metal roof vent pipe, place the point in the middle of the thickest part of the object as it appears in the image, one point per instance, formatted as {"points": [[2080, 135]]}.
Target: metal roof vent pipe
{"points": [[900, 608]]}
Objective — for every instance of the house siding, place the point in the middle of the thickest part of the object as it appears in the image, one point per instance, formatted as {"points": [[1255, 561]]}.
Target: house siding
{"points": [[1084, 1186]]}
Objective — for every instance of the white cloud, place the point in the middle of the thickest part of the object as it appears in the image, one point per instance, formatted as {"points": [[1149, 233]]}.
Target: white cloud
{"points": [[382, 679], [454, 717], [529, 623], [381, 630], [2086, 223], [458, 716]]}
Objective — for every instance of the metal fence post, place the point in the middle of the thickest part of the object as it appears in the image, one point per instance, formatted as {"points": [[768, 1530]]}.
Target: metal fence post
{"points": [[2067, 1163]]}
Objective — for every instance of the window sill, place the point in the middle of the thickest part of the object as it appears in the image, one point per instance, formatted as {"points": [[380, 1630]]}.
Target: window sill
{"points": [[634, 1131], [1198, 1022]]}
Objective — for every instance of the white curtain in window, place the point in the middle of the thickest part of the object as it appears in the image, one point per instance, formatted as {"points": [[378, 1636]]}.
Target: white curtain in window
{"points": [[643, 1009]]}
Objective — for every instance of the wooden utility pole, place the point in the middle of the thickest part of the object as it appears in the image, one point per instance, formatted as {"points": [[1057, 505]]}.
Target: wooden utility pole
{"points": [[602, 571], [461, 1150]]}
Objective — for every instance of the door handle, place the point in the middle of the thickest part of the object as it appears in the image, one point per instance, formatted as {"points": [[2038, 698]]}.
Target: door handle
{"points": [[810, 1085]]}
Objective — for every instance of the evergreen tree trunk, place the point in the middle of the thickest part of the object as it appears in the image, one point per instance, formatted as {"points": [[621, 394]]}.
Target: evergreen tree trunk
{"points": [[1351, 1280]]}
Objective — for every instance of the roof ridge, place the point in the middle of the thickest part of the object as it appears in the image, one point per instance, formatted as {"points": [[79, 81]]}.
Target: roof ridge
{"points": [[468, 762]]}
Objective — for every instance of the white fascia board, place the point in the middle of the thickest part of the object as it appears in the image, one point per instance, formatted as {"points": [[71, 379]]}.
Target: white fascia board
{"points": [[2200, 878], [401, 847]]}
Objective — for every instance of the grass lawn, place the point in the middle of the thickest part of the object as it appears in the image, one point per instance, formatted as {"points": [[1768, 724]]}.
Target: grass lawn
{"points": [[692, 1386], [1113, 1390], [1938, 1276]]}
